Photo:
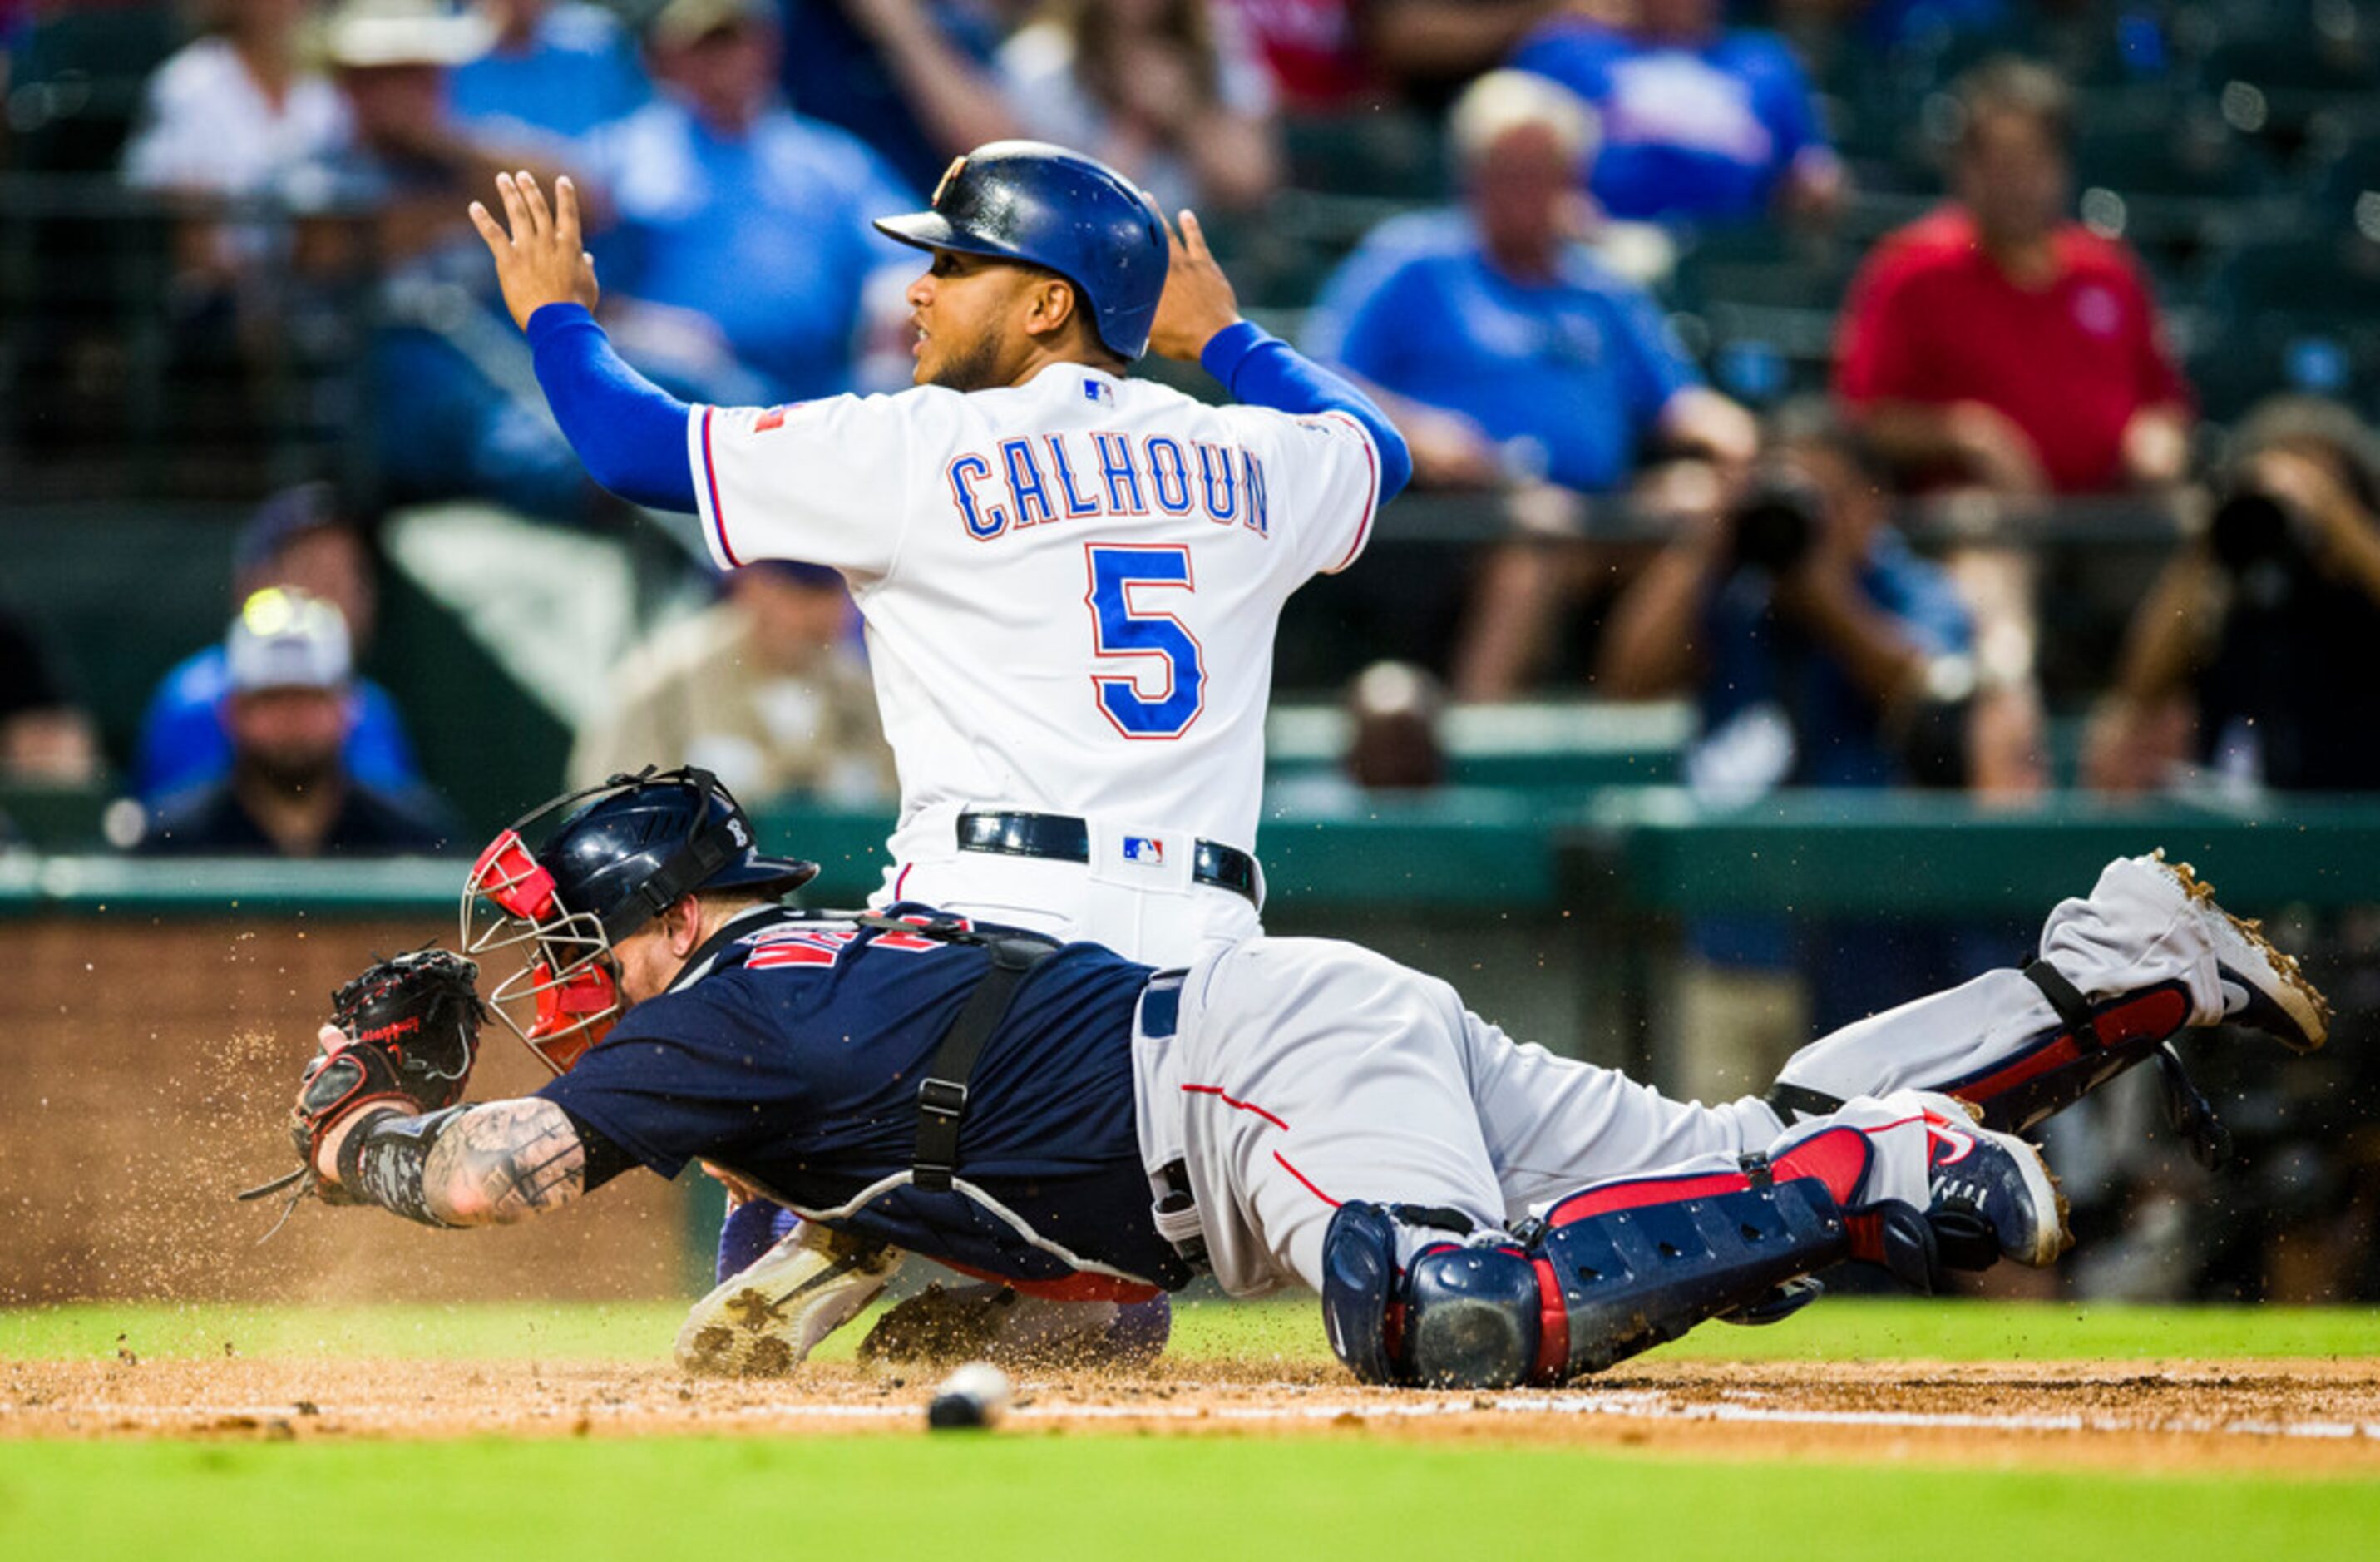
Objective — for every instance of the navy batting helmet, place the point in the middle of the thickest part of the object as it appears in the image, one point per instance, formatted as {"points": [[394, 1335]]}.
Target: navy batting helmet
{"points": [[1042, 205]]}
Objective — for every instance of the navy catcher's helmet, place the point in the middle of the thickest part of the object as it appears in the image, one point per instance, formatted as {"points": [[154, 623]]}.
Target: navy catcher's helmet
{"points": [[1043, 206], [635, 846], [630, 856]]}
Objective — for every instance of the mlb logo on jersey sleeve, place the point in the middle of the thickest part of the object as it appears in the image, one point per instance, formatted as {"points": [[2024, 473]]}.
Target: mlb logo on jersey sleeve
{"points": [[1144, 849]]}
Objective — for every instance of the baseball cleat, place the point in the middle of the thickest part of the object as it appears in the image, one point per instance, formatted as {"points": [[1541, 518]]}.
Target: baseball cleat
{"points": [[2264, 988], [1997, 1178], [762, 1320]]}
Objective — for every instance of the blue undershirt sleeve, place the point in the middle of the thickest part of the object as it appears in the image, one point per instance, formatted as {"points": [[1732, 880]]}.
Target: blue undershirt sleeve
{"points": [[1260, 368], [628, 431]]}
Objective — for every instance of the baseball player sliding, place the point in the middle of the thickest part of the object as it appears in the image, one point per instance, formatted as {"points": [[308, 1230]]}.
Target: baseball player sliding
{"points": [[1473, 1212], [1071, 580]]}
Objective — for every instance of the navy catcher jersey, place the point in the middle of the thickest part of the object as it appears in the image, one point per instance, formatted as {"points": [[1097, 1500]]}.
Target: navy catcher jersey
{"points": [[790, 1052]]}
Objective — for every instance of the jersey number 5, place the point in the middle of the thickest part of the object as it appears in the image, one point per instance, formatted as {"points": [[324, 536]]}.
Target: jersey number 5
{"points": [[1137, 702]]}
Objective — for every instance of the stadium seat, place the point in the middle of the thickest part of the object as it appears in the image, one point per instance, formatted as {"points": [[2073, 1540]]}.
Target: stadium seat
{"points": [[2283, 66], [1394, 155], [1761, 264], [2192, 153], [2296, 312], [2318, 276]]}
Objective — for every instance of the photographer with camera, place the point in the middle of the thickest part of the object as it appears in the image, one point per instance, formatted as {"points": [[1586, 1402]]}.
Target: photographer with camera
{"points": [[2250, 666], [1821, 651], [2253, 655]]}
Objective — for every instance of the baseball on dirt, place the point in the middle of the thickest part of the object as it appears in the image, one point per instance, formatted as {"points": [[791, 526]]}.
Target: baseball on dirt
{"points": [[973, 1397]]}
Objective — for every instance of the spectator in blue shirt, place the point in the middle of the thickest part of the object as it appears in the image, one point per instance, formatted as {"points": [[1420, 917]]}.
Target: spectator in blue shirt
{"points": [[728, 208], [1701, 123], [554, 70], [299, 539], [1510, 358]]}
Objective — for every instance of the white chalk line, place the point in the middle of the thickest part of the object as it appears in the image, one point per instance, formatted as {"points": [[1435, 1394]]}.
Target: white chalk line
{"points": [[1637, 1405]]}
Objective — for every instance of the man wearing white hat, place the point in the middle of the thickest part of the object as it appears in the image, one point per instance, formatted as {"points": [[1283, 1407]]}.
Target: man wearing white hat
{"points": [[287, 713]]}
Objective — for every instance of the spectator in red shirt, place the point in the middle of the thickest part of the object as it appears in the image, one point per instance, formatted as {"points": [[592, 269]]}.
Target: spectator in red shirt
{"points": [[1999, 343]]}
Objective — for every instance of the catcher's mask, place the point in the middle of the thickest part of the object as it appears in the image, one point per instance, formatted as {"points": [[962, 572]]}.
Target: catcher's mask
{"points": [[627, 851]]}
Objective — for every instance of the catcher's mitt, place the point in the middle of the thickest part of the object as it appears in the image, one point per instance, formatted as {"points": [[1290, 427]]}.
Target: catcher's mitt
{"points": [[412, 1028]]}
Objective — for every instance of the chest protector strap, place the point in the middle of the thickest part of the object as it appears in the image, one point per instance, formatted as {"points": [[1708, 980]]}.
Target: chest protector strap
{"points": [[942, 1095]]}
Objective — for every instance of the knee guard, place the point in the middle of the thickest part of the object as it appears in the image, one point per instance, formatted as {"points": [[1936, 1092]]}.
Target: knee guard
{"points": [[1585, 1287]]}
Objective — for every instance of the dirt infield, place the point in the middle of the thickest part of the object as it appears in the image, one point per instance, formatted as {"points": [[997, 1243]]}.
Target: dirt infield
{"points": [[2275, 1417]]}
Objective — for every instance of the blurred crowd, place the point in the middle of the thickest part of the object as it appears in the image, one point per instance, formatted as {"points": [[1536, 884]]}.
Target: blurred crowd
{"points": [[1800, 356]]}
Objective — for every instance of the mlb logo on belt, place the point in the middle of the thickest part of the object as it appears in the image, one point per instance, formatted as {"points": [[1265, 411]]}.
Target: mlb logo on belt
{"points": [[1144, 848]]}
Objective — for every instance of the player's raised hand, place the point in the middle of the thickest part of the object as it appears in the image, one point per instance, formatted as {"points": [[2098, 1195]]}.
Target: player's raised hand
{"points": [[1197, 300], [542, 258]]}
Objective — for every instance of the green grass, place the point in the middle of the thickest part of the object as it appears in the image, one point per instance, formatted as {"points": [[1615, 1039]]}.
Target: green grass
{"points": [[1133, 1499], [1843, 1329]]}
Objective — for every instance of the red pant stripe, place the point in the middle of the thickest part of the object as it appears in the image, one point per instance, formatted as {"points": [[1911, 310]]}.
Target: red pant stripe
{"points": [[1305, 1180]]}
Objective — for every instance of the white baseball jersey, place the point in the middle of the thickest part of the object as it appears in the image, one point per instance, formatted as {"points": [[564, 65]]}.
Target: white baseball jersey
{"points": [[1070, 586]]}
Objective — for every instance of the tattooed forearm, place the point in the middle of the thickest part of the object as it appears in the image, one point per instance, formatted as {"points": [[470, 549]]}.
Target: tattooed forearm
{"points": [[503, 1162]]}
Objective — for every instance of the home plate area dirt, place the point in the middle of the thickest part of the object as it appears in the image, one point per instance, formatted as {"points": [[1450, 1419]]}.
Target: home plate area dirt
{"points": [[2319, 1416]]}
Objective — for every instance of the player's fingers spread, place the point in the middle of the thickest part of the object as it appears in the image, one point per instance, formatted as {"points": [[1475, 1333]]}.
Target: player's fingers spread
{"points": [[566, 211], [516, 213], [490, 229], [1194, 237], [540, 220]]}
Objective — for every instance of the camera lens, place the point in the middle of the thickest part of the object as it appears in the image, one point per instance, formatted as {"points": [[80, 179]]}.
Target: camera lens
{"points": [[1773, 527], [2250, 528]]}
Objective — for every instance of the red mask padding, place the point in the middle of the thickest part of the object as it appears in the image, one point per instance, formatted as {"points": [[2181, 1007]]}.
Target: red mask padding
{"points": [[507, 874], [563, 1007]]}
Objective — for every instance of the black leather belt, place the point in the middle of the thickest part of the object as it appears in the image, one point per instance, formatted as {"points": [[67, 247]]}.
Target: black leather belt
{"points": [[1067, 840]]}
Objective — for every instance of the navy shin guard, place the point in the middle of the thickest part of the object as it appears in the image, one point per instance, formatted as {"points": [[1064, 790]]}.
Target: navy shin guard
{"points": [[1634, 1279], [1578, 1292]]}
